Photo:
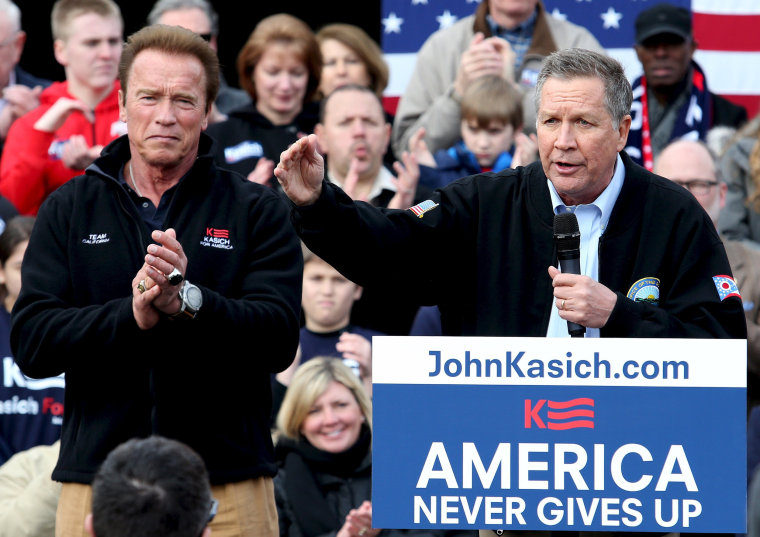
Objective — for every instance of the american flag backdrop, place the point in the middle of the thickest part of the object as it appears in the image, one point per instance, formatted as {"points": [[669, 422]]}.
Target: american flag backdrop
{"points": [[727, 33]]}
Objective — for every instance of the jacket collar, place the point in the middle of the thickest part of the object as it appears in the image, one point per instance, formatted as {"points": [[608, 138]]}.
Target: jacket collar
{"points": [[117, 153], [625, 212]]}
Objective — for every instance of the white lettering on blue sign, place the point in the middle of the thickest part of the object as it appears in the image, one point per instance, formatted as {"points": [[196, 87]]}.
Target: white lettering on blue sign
{"points": [[533, 471]]}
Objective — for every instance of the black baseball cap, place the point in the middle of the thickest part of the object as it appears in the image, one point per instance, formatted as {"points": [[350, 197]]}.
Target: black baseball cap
{"points": [[663, 19]]}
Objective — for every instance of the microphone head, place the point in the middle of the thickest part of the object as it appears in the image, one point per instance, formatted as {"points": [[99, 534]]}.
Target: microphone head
{"points": [[567, 234]]}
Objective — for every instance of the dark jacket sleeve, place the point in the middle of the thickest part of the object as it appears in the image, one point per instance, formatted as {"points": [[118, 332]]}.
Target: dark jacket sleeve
{"points": [[368, 244], [675, 241], [49, 333]]}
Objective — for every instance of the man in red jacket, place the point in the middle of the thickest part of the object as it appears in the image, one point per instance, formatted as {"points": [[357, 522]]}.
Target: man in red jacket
{"points": [[76, 118]]}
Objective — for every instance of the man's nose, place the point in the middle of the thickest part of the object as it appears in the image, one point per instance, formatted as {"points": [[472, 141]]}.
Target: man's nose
{"points": [[565, 136]]}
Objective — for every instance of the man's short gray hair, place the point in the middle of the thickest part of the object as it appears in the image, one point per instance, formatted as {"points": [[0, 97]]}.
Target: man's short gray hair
{"points": [[162, 6], [13, 13], [574, 63]]}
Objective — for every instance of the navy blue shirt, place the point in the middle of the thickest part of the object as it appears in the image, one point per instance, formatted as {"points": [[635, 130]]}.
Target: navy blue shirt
{"points": [[31, 410]]}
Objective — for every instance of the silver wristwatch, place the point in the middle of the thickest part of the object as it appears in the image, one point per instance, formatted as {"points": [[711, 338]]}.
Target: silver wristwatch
{"points": [[191, 300]]}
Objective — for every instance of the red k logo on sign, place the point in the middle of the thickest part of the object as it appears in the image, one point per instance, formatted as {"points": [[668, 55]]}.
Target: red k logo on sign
{"points": [[560, 415]]}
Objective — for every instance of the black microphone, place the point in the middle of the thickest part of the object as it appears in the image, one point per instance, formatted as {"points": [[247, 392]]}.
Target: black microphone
{"points": [[567, 237]]}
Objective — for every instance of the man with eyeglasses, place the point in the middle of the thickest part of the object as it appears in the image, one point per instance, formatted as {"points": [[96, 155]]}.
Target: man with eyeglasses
{"points": [[691, 165], [76, 118], [198, 16], [672, 99], [151, 486]]}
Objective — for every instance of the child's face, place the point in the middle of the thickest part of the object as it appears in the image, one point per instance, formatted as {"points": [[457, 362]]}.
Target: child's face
{"points": [[486, 144], [327, 297], [10, 274]]}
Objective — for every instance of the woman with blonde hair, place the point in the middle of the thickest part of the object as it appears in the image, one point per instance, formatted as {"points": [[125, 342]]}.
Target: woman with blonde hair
{"points": [[324, 481], [279, 67]]}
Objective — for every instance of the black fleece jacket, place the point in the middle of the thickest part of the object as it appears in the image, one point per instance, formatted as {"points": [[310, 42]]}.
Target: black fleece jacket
{"points": [[206, 381], [482, 255]]}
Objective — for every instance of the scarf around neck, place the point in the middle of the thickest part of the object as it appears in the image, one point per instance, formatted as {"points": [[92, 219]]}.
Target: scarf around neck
{"points": [[301, 462], [692, 121]]}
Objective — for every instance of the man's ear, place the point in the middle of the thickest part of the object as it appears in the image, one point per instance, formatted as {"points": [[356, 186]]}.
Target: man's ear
{"points": [[88, 525], [59, 51], [319, 131], [122, 106]]}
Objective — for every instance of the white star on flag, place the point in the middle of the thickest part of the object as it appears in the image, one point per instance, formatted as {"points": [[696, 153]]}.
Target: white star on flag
{"points": [[392, 24], [416, 2], [557, 14], [446, 20], [611, 18]]}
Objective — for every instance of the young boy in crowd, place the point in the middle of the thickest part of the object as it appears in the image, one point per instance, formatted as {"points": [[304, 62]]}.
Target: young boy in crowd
{"points": [[492, 138], [326, 302]]}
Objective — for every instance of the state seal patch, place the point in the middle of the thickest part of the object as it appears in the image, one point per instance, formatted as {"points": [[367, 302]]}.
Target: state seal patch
{"points": [[645, 290]]}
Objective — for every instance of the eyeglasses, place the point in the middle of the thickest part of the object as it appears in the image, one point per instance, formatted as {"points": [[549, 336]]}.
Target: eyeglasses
{"points": [[698, 187], [211, 513]]}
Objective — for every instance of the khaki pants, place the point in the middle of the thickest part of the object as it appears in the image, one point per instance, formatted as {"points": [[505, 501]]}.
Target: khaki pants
{"points": [[246, 509]]}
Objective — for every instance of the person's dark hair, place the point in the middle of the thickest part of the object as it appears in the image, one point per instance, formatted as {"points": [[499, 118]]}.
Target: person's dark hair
{"points": [[287, 30], [172, 40], [572, 63], [363, 46], [151, 486], [17, 230], [162, 6], [341, 89]]}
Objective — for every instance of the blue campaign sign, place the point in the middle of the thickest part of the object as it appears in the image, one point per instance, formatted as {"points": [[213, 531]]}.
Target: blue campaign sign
{"points": [[559, 434]]}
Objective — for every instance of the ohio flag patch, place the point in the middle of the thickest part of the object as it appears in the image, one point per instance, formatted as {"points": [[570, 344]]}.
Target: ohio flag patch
{"points": [[421, 208], [726, 286]]}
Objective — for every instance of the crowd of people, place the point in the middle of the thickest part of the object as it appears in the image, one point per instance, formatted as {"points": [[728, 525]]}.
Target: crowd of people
{"points": [[172, 227]]}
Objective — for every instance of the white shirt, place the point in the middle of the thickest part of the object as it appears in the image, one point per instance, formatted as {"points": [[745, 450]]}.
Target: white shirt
{"points": [[383, 181], [592, 221]]}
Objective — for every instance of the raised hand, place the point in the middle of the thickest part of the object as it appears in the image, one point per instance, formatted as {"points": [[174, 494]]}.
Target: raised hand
{"points": [[301, 171]]}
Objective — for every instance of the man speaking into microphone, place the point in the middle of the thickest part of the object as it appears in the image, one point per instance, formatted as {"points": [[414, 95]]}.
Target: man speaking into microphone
{"points": [[650, 262]]}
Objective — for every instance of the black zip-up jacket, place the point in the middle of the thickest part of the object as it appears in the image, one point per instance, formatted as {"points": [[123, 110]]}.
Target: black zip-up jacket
{"points": [[206, 381], [482, 255], [254, 136]]}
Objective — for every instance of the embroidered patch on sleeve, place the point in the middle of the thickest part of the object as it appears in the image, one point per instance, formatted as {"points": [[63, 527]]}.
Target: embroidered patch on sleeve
{"points": [[421, 208], [726, 286]]}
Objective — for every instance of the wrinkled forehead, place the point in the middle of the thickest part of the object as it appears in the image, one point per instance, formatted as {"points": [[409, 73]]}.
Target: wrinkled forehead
{"points": [[344, 105]]}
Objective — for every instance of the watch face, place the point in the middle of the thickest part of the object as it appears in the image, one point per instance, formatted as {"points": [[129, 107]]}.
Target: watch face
{"points": [[193, 297]]}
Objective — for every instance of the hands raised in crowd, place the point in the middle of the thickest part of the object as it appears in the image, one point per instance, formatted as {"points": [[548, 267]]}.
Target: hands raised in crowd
{"points": [[485, 56], [359, 522], [18, 101]]}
